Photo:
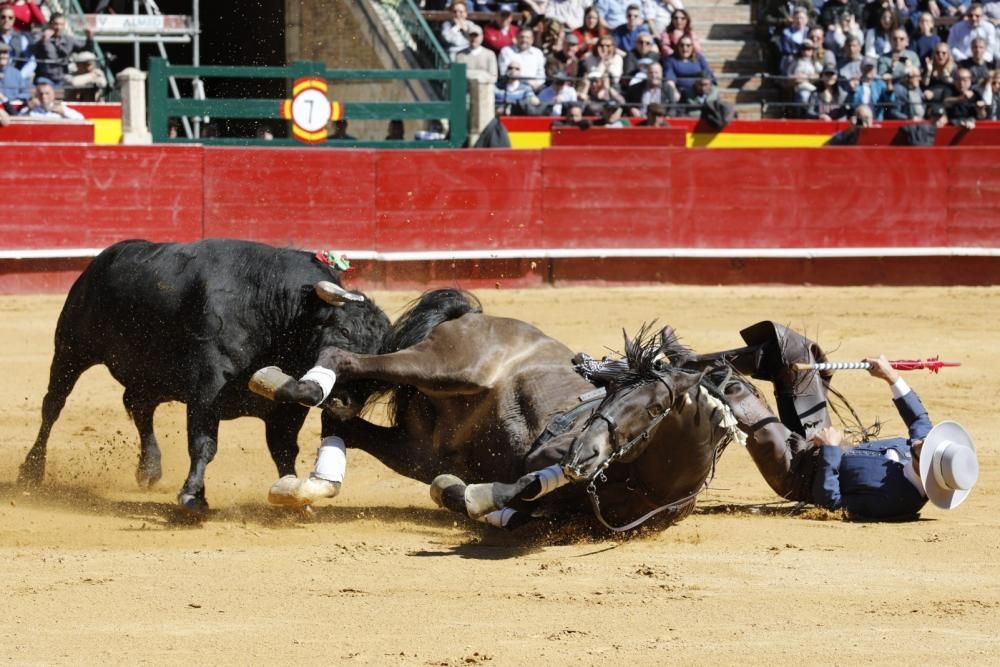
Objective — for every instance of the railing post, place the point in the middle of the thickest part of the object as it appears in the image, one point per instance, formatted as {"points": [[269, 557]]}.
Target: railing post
{"points": [[459, 121], [132, 86], [156, 99]]}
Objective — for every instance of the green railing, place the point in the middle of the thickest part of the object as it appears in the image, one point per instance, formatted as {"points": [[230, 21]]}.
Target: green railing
{"points": [[427, 44], [161, 107], [75, 12]]}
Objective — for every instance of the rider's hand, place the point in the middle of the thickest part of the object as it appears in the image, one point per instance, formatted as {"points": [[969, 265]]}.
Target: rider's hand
{"points": [[828, 435], [881, 369]]}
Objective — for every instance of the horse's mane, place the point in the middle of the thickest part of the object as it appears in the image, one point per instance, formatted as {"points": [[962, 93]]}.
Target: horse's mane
{"points": [[641, 362]]}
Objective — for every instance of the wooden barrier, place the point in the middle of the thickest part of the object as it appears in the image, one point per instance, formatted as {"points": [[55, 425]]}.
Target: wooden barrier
{"points": [[485, 217], [24, 130]]}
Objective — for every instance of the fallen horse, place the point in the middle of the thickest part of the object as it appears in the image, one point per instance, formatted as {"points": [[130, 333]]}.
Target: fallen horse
{"points": [[498, 418]]}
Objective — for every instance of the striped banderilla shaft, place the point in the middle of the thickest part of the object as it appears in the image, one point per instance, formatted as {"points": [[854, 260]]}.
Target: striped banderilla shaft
{"points": [[933, 365]]}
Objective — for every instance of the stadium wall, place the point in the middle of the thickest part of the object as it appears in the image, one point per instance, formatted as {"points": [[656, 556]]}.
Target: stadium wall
{"points": [[410, 219]]}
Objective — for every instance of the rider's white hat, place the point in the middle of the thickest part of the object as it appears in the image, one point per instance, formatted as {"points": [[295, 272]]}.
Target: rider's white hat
{"points": [[948, 465]]}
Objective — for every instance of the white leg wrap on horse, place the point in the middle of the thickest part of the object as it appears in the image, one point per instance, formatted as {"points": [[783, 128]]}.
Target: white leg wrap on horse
{"points": [[331, 459], [499, 518], [551, 479], [324, 377]]}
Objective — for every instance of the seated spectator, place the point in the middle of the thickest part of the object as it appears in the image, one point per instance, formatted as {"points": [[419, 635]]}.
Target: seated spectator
{"points": [[991, 11], [569, 13], [680, 26], [606, 60], [340, 131], [453, 32], [500, 32], [778, 14], [19, 44], [88, 82], [13, 87], [648, 91], [940, 75], [993, 92], [572, 117], [264, 132], [513, 95], [964, 105], [878, 40], [659, 13], [645, 48], [908, 101], [556, 94], [926, 39], [530, 58], [821, 55], [611, 116], [565, 60], [27, 15], [963, 32], [475, 56], [849, 66], [395, 130], [591, 32], [869, 91], [599, 92], [829, 100], [684, 68], [551, 36], [703, 92], [626, 35], [834, 12], [792, 37], [955, 8], [656, 116], [837, 34], [44, 105], [54, 48], [4, 117], [434, 130], [977, 63], [804, 73], [892, 65], [612, 12]]}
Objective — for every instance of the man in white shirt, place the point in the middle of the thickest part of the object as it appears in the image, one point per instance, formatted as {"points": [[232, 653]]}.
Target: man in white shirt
{"points": [[531, 59], [962, 33], [44, 106]]}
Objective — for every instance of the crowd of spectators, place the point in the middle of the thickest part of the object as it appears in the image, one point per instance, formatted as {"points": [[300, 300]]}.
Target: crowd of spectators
{"points": [[42, 64], [606, 59], [932, 60]]}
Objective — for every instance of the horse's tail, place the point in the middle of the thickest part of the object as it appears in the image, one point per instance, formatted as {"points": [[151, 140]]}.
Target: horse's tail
{"points": [[423, 314]]}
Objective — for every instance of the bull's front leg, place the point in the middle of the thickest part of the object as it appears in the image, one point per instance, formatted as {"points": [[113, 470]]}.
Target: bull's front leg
{"points": [[203, 438]]}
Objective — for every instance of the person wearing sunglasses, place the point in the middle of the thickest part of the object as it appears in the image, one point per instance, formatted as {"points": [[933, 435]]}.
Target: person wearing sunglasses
{"points": [[626, 35], [19, 43]]}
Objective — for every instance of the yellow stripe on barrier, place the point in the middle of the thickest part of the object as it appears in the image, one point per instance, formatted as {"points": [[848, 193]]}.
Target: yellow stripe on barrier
{"points": [[107, 130]]}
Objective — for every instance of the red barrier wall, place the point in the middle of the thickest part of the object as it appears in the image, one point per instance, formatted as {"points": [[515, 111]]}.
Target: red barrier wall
{"points": [[488, 201]]}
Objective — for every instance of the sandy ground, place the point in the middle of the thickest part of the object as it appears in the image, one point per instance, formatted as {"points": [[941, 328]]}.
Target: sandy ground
{"points": [[95, 570]]}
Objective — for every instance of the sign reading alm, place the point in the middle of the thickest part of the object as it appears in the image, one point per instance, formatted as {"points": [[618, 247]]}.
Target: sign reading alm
{"points": [[134, 24]]}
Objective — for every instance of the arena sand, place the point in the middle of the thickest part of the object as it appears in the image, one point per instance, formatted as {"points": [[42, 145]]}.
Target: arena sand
{"points": [[94, 570]]}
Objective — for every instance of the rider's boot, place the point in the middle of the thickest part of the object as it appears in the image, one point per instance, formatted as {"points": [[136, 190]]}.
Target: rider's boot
{"points": [[780, 454]]}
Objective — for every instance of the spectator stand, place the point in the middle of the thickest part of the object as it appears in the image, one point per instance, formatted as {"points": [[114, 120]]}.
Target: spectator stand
{"points": [[411, 32], [162, 108]]}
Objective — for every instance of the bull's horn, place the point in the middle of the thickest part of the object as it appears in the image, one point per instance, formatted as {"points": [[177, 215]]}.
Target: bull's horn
{"points": [[334, 294]]}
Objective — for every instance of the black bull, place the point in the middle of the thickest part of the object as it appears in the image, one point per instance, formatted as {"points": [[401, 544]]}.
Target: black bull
{"points": [[190, 323]]}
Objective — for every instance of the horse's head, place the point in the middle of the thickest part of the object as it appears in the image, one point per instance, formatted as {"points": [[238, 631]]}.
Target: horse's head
{"points": [[641, 393]]}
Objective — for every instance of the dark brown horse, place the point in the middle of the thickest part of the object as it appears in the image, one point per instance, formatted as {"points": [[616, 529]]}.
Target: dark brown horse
{"points": [[495, 401]]}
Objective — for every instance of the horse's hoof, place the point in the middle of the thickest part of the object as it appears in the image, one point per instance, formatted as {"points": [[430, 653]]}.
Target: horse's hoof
{"points": [[448, 491], [479, 500], [290, 491], [192, 503]]}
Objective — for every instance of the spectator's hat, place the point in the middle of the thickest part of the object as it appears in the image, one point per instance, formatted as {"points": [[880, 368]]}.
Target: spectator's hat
{"points": [[595, 74], [473, 29], [935, 111], [611, 106], [572, 39], [655, 109], [44, 81], [867, 64], [644, 62], [84, 57], [948, 465], [829, 70], [561, 76]]}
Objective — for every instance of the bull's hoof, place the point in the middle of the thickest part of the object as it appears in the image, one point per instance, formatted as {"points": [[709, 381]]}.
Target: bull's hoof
{"points": [[147, 475], [448, 491], [290, 491], [31, 473], [193, 503]]}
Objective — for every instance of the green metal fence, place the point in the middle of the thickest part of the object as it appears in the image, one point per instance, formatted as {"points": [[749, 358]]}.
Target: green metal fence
{"points": [[427, 44], [161, 107]]}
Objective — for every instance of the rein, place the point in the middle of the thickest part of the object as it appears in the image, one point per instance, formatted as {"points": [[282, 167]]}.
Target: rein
{"points": [[620, 452]]}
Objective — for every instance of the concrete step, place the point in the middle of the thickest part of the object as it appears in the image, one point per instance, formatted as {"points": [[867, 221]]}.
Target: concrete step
{"points": [[730, 49], [723, 30]]}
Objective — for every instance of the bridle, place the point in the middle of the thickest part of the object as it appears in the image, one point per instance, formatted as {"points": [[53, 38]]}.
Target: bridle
{"points": [[622, 451]]}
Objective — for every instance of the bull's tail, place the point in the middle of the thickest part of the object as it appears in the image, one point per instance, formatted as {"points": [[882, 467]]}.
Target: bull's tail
{"points": [[423, 314]]}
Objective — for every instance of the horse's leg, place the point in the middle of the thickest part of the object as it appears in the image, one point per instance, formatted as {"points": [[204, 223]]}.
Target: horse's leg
{"points": [[486, 499], [141, 408], [282, 427]]}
